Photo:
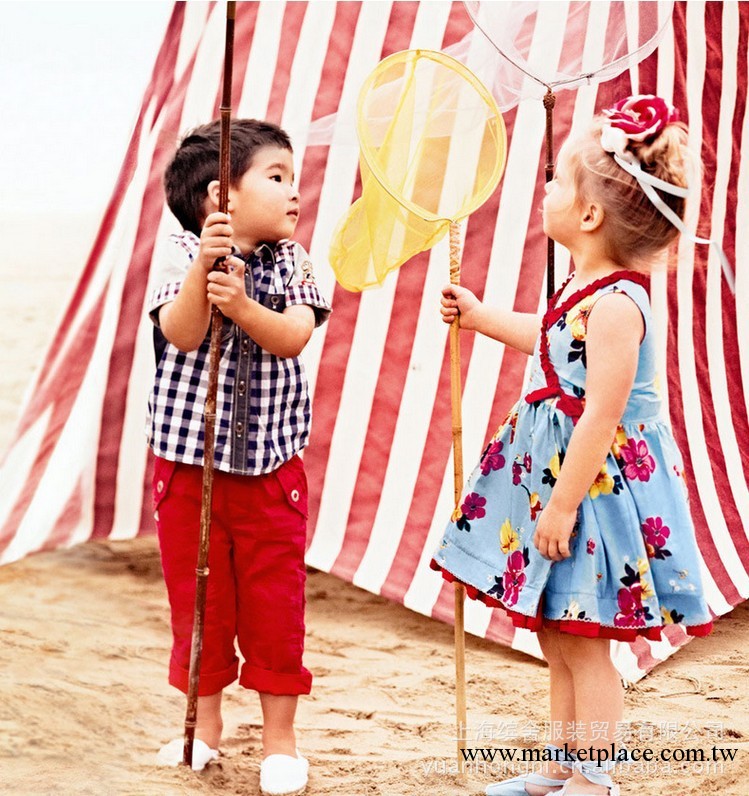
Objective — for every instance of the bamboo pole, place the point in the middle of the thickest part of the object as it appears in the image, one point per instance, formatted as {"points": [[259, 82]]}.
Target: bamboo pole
{"points": [[457, 431], [201, 584], [549, 102]]}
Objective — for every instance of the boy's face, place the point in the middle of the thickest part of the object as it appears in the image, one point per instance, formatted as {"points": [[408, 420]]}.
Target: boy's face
{"points": [[264, 206]]}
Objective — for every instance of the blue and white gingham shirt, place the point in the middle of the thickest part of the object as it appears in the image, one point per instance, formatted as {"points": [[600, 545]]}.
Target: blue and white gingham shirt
{"points": [[262, 406]]}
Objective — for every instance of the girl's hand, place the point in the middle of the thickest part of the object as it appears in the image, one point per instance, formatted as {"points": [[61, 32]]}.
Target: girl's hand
{"points": [[226, 289], [553, 532], [457, 300], [215, 240]]}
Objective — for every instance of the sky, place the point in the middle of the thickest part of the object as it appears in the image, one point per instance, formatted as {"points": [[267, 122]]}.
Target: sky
{"points": [[72, 75]]}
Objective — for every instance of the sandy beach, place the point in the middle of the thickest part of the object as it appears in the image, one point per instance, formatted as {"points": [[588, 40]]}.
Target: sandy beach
{"points": [[85, 705], [85, 702]]}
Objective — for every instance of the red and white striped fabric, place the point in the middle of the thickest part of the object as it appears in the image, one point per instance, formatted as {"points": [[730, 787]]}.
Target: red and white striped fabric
{"points": [[379, 461]]}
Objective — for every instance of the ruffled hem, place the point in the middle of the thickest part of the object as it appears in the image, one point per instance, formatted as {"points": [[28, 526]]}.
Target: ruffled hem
{"points": [[574, 627]]}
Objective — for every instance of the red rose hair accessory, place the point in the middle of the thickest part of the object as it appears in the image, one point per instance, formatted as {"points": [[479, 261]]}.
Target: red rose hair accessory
{"points": [[638, 119], [642, 116]]}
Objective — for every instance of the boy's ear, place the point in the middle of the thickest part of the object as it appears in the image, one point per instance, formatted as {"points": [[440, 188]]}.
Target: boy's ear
{"points": [[591, 217], [212, 198]]}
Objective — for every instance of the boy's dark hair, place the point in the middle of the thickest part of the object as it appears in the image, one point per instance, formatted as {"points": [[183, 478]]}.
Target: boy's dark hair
{"points": [[196, 163]]}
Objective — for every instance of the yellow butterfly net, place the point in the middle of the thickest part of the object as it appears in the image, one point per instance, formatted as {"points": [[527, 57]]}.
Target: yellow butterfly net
{"points": [[433, 147]]}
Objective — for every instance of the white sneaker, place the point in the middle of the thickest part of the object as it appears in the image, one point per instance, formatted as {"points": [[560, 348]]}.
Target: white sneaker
{"points": [[171, 754], [283, 775]]}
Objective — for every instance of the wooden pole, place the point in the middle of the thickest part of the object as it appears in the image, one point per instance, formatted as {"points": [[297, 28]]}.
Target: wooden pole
{"points": [[457, 428], [201, 584], [549, 101]]}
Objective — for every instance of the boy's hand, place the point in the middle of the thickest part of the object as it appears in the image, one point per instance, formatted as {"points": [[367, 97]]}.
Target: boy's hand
{"points": [[215, 240], [553, 532], [457, 300], [226, 289]]}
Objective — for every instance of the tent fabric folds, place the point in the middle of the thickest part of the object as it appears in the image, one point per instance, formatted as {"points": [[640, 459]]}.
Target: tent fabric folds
{"points": [[379, 461]]}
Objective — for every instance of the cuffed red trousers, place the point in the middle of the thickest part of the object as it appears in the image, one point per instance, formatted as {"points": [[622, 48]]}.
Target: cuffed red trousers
{"points": [[256, 579]]}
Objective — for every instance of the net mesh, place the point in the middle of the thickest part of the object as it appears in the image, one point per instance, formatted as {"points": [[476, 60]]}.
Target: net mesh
{"points": [[600, 40], [433, 147]]}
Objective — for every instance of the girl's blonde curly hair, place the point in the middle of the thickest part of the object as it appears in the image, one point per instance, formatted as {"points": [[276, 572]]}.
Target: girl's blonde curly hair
{"points": [[635, 230]]}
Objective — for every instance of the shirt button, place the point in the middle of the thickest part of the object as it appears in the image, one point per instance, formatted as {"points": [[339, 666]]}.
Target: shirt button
{"points": [[245, 345], [160, 486], [240, 429], [294, 495], [242, 387], [274, 300]]}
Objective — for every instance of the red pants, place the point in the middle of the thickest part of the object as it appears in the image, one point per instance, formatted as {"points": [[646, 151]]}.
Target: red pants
{"points": [[256, 579]]}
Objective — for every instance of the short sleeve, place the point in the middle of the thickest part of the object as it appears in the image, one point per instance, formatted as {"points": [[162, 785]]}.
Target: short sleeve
{"points": [[301, 287], [171, 263]]}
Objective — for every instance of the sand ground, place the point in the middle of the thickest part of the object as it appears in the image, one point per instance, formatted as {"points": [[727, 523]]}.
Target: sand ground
{"points": [[84, 643], [85, 703]]}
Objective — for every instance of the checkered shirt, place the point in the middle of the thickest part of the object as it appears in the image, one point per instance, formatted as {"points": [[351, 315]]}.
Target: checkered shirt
{"points": [[262, 406]]}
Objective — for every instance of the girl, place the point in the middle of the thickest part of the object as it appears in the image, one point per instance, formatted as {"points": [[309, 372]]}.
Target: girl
{"points": [[576, 519]]}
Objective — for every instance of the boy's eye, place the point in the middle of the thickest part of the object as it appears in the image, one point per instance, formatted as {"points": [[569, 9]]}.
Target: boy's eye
{"points": [[277, 177]]}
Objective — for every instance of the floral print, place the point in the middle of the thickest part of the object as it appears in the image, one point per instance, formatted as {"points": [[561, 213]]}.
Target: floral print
{"points": [[605, 484], [577, 351], [520, 467], [473, 506], [632, 613], [635, 565], [551, 473], [620, 439], [510, 422], [656, 534], [671, 617], [514, 578], [577, 318], [573, 612], [509, 541], [492, 458], [513, 421], [517, 472], [535, 505], [638, 463], [472, 509], [643, 567]]}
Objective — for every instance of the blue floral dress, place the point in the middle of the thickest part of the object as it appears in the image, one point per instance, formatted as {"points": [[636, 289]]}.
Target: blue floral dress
{"points": [[634, 566]]}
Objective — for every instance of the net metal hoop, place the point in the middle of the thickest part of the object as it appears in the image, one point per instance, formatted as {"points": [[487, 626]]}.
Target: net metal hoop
{"points": [[407, 57]]}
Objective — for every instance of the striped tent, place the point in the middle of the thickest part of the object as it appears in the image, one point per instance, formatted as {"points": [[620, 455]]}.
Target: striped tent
{"points": [[379, 461]]}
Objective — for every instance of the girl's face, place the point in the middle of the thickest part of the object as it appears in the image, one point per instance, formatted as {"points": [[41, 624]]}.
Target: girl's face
{"points": [[560, 204]]}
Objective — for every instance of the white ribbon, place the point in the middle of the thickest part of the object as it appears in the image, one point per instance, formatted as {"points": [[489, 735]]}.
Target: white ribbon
{"points": [[615, 140], [648, 182]]}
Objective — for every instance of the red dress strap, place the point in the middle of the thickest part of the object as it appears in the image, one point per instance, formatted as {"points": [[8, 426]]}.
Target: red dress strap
{"points": [[554, 313], [571, 405]]}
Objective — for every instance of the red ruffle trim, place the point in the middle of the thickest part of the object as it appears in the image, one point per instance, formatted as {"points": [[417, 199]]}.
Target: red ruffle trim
{"points": [[554, 313], [571, 405], [572, 626]]}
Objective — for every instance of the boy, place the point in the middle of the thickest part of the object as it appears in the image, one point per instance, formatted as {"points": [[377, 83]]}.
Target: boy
{"points": [[270, 305]]}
